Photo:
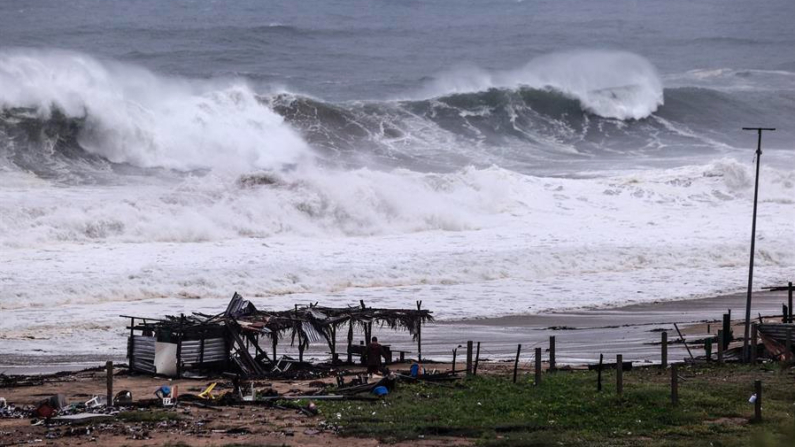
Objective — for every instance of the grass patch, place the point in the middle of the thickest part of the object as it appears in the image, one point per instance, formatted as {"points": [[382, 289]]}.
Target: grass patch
{"points": [[148, 416], [713, 410]]}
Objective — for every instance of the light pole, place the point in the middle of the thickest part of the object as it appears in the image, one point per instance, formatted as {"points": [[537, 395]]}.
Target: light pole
{"points": [[746, 353]]}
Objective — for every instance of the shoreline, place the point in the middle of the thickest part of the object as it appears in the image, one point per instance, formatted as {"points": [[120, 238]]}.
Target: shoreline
{"points": [[581, 335]]}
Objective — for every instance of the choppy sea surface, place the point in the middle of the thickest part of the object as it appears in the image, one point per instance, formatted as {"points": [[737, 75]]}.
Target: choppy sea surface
{"points": [[486, 157]]}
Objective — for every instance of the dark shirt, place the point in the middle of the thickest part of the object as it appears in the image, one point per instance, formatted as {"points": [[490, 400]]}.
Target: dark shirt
{"points": [[374, 353]]}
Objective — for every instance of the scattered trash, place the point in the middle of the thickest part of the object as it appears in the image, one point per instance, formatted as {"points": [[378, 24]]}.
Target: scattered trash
{"points": [[81, 417], [380, 391], [97, 402], [47, 408], [163, 391], [752, 399], [208, 392], [123, 398]]}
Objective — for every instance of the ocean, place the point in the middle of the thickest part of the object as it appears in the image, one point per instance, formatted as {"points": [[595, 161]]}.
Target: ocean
{"points": [[486, 157]]}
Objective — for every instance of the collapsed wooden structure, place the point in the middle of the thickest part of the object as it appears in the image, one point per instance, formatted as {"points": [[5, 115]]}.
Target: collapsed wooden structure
{"points": [[231, 341]]}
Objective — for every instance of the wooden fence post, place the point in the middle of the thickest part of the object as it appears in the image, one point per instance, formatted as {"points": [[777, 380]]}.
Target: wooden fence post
{"points": [[674, 385], [789, 300], [620, 374], [664, 351], [727, 330], [516, 363], [455, 352], [720, 347], [788, 343], [599, 373], [552, 366], [109, 367], [469, 357], [538, 366], [758, 401], [477, 361]]}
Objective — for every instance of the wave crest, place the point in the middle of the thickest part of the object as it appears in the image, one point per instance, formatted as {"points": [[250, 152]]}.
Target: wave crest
{"points": [[610, 84], [134, 116]]}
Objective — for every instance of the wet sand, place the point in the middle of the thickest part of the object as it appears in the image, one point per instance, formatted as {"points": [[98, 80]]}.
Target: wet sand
{"points": [[581, 335], [632, 330]]}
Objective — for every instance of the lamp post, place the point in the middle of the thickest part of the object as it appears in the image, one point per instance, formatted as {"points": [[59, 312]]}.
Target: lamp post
{"points": [[746, 353]]}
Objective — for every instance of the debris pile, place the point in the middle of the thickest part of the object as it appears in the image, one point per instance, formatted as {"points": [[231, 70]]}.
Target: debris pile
{"points": [[232, 341]]}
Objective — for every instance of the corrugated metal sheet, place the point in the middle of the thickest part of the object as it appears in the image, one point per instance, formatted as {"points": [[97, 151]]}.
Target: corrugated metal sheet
{"points": [[190, 354], [214, 351], [143, 353], [777, 331]]}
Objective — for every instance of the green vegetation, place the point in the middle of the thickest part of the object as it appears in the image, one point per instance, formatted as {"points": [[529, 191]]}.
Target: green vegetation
{"points": [[567, 410]]}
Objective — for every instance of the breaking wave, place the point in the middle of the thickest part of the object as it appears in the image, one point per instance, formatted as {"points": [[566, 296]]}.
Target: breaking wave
{"points": [[609, 84], [127, 115], [72, 117]]}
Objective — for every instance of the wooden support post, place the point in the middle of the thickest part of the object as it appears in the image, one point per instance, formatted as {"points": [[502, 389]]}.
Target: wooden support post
{"points": [[334, 356], [455, 352], [109, 367], [599, 373], [720, 347], [674, 385], [300, 348], [350, 341], [274, 342], [753, 343], [727, 330], [664, 351], [620, 374], [708, 349], [784, 313], [469, 357], [516, 363], [789, 301], [419, 335], [552, 353], [538, 366], [788, 343], [402, 356], [709, 327], [477, 361], [758, 401], [179, 346], [131, 345]]}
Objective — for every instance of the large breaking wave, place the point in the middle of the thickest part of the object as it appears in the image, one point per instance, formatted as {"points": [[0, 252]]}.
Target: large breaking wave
{"points": [[169, 159], [67, 115]]}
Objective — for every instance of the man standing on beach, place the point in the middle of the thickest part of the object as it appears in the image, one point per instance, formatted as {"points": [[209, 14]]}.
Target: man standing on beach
{"points": [[373, 353]]}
